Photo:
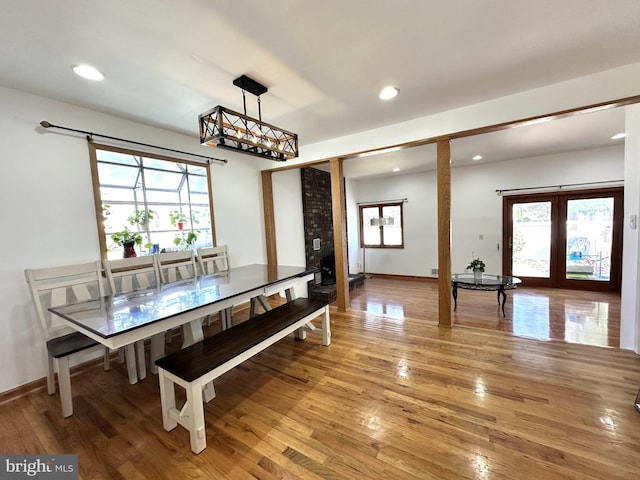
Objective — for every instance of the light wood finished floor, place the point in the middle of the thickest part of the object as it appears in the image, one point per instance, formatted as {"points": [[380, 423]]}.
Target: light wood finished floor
{"points": [[391, 398], [591, 318]]}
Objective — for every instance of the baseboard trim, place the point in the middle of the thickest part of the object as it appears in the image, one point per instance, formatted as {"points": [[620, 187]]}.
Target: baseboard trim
{"points": [[389, 276], [40, 383]]}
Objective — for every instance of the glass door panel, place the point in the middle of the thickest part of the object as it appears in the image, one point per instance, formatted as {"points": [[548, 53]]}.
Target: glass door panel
{"points": [[565, 239], [531, 239], [589, 239]]}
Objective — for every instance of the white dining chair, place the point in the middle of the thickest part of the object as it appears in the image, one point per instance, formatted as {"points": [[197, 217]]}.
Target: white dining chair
{"points": [[176, 266], [56, 286], [215, 260], [128, 275]]}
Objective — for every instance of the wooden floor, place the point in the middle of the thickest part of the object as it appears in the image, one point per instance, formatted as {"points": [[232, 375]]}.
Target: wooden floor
{"points": [[591, 318], [393, 397]]}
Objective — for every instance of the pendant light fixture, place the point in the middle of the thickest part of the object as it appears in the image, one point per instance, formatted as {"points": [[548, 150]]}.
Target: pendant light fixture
{"points": [[224, 128]]}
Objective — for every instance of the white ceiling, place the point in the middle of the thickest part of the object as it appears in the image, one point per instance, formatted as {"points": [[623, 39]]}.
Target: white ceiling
{"points": [[323, 62], [579, 132]]}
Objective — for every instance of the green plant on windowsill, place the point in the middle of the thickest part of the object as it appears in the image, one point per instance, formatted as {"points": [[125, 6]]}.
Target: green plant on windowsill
{"points": [[126, 236], [476, 265], [187, 240], [177, 219], [106, 211], [142, 217], [127, 239]]}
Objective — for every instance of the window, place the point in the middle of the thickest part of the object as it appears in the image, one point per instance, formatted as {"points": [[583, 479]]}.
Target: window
{"points": [[159, 203], [381, 226]]}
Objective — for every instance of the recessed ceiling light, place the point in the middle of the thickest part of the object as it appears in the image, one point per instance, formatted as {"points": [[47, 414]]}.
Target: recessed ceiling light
{"points": [[396, 169], [477, 157], [387, 93], [88, 72], [618, 136]]}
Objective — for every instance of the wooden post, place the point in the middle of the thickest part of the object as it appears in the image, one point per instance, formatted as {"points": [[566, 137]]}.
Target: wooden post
{"points": [[269, 218], [339, 234], [444, 233]]}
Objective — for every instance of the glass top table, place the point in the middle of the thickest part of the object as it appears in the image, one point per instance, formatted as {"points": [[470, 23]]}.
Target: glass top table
{"points": [[118, 320], [121, 320], [486, 282]]}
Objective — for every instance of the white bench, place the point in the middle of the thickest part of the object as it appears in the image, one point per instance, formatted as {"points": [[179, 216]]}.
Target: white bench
{"points": [[197, 365]]}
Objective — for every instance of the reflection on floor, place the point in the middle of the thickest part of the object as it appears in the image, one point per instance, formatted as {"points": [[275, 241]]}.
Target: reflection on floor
{"points": [[591, 318]]}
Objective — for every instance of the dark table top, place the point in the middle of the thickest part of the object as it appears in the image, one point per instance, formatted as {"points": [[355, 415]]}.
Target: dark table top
{"points": [[117, 314]]}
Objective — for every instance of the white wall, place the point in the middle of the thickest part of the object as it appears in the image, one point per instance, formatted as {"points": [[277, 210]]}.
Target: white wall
{"points": [[48, 218], [353, 246], [630, 305], [420, 250], [476, 209], [287, 204], [237, 204]]}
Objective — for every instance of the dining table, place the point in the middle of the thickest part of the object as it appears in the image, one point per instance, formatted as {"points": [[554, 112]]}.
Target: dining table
{"points": [[122, 319]]}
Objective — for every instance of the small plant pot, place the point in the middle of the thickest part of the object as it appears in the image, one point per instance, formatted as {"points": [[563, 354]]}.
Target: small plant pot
{"points": [[129, 250], [180, 225], [477, 274]]}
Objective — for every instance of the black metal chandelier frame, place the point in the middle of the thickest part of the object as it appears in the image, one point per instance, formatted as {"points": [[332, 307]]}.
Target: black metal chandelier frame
{"points": [[225, 128]]}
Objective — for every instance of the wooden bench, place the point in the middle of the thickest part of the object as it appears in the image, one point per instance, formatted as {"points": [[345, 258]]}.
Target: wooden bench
{"points": [[196, 366]]}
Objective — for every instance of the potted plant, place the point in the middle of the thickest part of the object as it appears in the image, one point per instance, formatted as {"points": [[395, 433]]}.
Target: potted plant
{"points": [[188, 241], [106, 211], [142, 217], [192, 237], [177, 219], [127, 239], [477, 266], [194, 215]]}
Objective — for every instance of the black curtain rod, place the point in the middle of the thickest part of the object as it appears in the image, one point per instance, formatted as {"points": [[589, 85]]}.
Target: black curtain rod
{"points": [[559, 187], [90, 136], [403, 200]]}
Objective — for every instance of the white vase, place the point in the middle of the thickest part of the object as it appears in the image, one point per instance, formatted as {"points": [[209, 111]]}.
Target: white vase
{"points": [[477, 274]]}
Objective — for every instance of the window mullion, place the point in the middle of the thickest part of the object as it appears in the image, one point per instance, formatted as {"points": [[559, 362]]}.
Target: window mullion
{"points": [[144, 198], [381, 226]]}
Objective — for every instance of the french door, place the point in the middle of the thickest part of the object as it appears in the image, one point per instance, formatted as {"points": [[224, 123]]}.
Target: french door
{"points": [[565, 239]]}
